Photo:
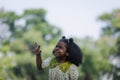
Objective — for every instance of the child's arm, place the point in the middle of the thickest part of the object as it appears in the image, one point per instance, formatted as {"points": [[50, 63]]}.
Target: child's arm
{"points": [[37, 51], [39, 61]]}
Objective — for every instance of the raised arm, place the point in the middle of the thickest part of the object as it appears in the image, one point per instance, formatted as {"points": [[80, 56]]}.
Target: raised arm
{"points": [[37, 51]]}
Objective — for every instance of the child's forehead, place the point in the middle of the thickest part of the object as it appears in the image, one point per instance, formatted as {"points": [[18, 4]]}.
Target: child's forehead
{"points": [[61, 43]]}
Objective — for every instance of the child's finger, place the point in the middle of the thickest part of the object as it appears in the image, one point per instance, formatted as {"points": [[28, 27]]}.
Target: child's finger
{"points": [[38, 46], [35, 44]]}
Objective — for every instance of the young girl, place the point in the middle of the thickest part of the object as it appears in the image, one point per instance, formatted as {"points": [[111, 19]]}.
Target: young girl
{"points": [[64, 66]]}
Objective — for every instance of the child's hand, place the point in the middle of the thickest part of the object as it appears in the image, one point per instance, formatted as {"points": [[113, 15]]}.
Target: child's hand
{"points": [[36, 48]]}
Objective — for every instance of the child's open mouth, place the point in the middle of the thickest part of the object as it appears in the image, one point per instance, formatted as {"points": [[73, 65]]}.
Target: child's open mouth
{"points": [[56, 53]]}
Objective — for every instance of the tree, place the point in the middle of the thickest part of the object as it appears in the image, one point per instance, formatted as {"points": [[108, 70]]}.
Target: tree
{"points": [[112, 29], [35, 28], [9, 18], [112, 22], [36, 19]]}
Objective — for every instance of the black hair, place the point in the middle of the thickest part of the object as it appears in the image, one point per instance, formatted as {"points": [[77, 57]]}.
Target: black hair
{"points": [[74, 51]]}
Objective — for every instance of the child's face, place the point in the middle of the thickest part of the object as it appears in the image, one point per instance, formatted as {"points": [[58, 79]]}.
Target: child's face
{"points": [[60, 49]]}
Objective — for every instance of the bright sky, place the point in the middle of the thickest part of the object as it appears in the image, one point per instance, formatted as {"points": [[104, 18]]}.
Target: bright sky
{"points": [[75, 17]]}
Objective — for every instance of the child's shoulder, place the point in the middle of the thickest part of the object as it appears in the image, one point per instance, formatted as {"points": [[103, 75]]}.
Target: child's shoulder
{"points": [[48, 59], [46, 62], [73, 66]]}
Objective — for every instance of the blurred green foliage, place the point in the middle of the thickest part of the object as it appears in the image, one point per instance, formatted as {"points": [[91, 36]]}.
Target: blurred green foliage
{"points": [[17, 62]]}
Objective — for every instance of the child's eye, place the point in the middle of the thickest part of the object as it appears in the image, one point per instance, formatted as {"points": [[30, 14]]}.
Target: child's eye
{"points": [[58, 47]]}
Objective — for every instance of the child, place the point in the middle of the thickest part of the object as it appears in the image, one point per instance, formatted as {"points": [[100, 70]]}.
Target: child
{"points": [[64, 66]]}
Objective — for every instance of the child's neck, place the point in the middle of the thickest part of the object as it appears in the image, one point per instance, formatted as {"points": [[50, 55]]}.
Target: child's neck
{"points": [[61, 59]]}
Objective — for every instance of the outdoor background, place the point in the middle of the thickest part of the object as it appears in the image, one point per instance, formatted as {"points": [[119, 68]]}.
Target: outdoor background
{"points": [[94, 25]]}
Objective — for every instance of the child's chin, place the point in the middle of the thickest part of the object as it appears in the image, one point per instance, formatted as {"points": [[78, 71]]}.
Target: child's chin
{"points": [[56, 54]]}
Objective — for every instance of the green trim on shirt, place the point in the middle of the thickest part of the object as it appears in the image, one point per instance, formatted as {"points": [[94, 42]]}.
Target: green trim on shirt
{"points": [[63, 66]]}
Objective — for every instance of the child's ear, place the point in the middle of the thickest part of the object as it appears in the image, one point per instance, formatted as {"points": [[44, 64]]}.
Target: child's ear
{"points": [[67, 54]]}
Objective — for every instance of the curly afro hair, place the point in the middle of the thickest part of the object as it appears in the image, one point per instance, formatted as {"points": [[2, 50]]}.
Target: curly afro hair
{"points": [[75, 53]]}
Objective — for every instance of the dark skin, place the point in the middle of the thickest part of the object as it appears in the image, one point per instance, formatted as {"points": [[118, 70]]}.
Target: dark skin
{"points": [[37, 51], [60, 52]]}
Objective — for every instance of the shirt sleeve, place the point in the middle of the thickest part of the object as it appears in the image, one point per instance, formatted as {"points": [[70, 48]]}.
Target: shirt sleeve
{"points": [[73, 72], [46, 62]]}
